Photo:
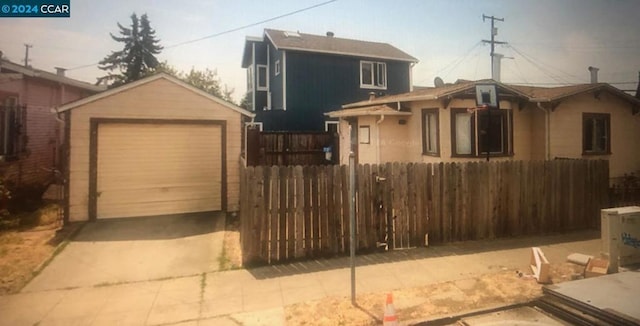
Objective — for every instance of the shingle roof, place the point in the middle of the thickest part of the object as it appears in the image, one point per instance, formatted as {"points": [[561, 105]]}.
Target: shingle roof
{"points": [[283, 40], [32, 72], [433, 93], [530, 93]]}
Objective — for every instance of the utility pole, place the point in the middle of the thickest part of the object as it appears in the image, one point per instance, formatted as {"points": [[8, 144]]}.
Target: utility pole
{"points": [[26, 54], [493, 42]]}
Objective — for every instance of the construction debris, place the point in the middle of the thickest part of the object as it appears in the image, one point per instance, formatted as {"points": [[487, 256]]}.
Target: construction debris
{"points": [[580, 259], [596, 267], [540, 266]]}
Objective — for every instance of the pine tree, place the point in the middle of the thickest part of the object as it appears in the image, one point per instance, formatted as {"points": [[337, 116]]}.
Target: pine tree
{"points": [[137, 58]]}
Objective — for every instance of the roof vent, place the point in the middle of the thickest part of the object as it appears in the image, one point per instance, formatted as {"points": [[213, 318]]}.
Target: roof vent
{"points": [[372, 96], [330, 34], [60, 71], [291, 34], [594, 74]]}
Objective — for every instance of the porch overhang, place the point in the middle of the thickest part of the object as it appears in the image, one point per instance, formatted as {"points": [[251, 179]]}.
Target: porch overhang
{"points": [[374, 110]]}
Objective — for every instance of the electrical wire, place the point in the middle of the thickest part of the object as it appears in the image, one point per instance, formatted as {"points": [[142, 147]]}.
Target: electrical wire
{"points": [[230, 30], [557, 78], [458, 61]]}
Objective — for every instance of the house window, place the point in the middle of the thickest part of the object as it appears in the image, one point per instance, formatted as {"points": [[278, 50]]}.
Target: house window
{"points": [[364, 135], [277, 67], [250, 79], [430, 132], [331, 126], [373, 74], [493, 134], [11, 118], [596, 133], [263, 83]]}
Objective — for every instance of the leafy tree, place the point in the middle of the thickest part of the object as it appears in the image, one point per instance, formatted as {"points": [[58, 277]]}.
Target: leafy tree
{"points": [[245, 103], [137, 57], [206, 80]]}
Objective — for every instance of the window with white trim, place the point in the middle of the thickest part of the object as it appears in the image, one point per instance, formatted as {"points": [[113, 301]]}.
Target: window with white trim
{"points": [[373, 75], [250, 79], [277, 67], [332, 126], [263, 78]]}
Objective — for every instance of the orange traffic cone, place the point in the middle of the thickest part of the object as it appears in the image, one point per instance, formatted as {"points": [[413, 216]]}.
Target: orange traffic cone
{"points": [[390, 318]]}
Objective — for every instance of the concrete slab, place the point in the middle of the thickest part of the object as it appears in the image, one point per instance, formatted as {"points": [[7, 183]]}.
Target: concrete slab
{"points": [[131, 250]]}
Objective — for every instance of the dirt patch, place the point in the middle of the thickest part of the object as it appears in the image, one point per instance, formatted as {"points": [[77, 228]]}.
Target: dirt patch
{"points": [[431, 301], [231, 257], [24, 249]]}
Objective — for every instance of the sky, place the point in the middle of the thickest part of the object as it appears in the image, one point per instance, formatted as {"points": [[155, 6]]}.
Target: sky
{"points": [[550, 42]]}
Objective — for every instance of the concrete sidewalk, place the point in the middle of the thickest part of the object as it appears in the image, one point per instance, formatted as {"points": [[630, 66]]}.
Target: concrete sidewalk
{"points": [[258, 296]]}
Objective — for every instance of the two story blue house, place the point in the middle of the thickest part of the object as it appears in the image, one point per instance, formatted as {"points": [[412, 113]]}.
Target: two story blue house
{"points": [[294, 78]]}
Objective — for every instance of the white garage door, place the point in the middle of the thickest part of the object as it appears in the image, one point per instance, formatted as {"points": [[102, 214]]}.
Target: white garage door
{"points": [[157, 169]]}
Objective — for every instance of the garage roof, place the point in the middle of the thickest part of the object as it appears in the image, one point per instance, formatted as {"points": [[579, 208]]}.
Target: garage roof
{"points": [[149, 79]]}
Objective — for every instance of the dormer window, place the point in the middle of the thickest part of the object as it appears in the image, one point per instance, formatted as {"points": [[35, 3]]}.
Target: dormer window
{"points": [[373, 75]]}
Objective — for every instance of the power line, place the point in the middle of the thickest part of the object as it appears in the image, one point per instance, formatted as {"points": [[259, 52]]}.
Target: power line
{"points": [[251, 25], [455, 63], [231, 30], [557, 78]]}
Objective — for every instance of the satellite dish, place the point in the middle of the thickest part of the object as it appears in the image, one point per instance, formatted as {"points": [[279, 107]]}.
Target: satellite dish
{"points": [[438, 82]]}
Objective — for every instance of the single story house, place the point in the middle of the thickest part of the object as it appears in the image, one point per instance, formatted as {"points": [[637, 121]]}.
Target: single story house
{"points": [[443, 124], [30, 132], [155, 146]]}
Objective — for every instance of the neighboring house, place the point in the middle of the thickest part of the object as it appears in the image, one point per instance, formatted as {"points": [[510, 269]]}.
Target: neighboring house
{"points": [[442, 124], [293, 78], [155, 146], [30, 134]]}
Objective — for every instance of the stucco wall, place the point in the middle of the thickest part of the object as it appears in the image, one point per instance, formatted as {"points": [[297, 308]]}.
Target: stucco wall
{"points": [[566, 131]]}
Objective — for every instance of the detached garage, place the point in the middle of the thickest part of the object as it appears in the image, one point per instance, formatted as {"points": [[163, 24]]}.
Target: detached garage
{"points": [[156, 146]]}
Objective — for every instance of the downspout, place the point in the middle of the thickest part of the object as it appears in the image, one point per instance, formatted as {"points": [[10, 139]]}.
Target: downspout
{"points": [[547, 128], [378, 138]]}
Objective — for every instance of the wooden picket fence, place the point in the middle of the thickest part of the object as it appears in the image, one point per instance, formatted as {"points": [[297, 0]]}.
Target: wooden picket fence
{"points": [[300, 212]]}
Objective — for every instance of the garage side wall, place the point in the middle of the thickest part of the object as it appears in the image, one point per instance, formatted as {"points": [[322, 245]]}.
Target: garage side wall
{"points": [[159, 100]]}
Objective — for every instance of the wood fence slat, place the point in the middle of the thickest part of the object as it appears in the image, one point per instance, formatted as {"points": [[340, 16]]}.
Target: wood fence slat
{"points": [[324, 209], [282, 212], [291, 213], [315, 209], [307, 211], [346, 204], [298, 176], [438, 198]]}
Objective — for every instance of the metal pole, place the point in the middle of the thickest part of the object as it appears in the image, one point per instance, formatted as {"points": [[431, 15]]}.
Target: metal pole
{"points": [[352, 223]]}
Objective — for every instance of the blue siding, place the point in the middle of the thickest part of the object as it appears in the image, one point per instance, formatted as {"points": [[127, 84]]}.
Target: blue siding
{"points": [[319, 83], [261, 59], [275, 82]]}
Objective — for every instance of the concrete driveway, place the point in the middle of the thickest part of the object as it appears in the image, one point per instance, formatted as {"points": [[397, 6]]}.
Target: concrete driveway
{"points": [[128, 250]]}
